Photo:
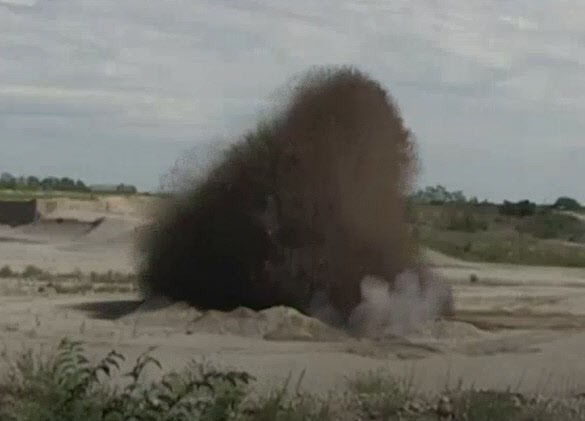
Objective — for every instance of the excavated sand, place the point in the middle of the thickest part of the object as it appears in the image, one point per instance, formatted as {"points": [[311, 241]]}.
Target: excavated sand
{"points": [[277, 323]]}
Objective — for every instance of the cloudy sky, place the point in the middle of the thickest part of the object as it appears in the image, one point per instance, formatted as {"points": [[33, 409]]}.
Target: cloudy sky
{"points": [[117, 90]]}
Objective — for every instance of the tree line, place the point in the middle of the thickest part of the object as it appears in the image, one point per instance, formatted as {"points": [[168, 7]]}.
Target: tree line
{"points": [[439, 195], [33, 183]]}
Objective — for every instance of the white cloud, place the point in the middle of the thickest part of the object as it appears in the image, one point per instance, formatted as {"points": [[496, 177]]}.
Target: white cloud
{"points": [[28, 3], [171, 72], [520, 23]]}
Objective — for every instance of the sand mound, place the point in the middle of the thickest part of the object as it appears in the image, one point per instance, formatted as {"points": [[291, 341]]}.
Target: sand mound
{"points": [[287, 324], [59, 230], [75, 229], [159, 312], [277, 323], [113, 229]]}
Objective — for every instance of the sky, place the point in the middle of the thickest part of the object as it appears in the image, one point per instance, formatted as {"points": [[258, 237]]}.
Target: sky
{"points": [[117, 90]]}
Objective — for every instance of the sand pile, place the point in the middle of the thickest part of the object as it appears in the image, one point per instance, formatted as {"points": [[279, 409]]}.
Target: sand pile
{"points": [[114, 229], [61, 230], [160, 312], [276, 323], [287, 324]]}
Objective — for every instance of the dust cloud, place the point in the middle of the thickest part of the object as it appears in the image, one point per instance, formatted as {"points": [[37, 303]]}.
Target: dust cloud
{"points": [[306, 211]]}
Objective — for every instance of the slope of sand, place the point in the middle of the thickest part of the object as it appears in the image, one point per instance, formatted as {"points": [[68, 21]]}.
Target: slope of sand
{"points": [[87, 235], [517, 326]]}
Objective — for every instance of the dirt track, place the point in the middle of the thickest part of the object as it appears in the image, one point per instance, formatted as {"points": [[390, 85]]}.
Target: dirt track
{"points": [[517, 326]]}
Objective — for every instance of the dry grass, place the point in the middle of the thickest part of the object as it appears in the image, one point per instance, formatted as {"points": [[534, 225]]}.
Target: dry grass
{"points": [[481, 234], [35, 279]]}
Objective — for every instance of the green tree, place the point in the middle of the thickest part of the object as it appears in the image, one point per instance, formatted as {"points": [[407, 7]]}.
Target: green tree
{"points": [[66, 184], [33, 182], [80, 186], [49, 183], [7, 181], [522, 208], [567, 203]]}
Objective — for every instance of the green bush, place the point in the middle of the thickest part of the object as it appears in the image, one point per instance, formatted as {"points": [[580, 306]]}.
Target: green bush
{"points": [[465, 220], [69, 387], [32, 271], [567, 203], [6, 272], [522, 208], [556, 226]]}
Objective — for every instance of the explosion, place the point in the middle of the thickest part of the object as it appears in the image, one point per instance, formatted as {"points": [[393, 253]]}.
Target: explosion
{"points": [[300, 211]]}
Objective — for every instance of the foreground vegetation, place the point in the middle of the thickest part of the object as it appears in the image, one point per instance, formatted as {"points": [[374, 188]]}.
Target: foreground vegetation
{"points": [[67, 386]]}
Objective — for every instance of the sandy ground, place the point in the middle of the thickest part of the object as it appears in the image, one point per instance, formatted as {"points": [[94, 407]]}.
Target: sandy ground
{"points": [[519, 327]]}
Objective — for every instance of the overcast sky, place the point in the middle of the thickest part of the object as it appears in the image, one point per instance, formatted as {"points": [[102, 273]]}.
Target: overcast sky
{"points": [[116, 90]]}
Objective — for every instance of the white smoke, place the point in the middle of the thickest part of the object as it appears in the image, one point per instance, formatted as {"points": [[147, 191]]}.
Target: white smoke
{"points": [[386, 311]]}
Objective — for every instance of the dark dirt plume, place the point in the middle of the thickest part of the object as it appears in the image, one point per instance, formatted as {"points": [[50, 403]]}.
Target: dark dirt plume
{"points": [[305, 206]]}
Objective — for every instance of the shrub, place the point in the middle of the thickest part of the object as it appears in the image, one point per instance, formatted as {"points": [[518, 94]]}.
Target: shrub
{"points": [[68, 387], [379, 396], [6, 272], [567, 203], [464, 220], [520, 209], [32, 271]]}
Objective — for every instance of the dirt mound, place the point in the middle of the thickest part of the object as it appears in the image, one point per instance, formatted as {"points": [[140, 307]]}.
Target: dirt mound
{"points": [[55, 230], [277, 323], [286, 323], [113, 229], [160, 312]]}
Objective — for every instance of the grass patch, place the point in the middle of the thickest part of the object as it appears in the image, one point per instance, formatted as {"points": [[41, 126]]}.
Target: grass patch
{"points": [[6, 194], [31, 271], [378, 396], [557, 226], [67, 386], [502, 247], [112, 277], [73, 282], [36, 273], [482, 234]]}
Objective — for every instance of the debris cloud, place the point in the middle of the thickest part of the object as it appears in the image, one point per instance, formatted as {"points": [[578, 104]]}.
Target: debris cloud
{"points": [[304, 211]]}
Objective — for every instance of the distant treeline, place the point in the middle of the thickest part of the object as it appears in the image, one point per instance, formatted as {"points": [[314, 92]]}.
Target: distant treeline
{"points": [[32, 183], [439, 195], [528, 208], [63, 184]]}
